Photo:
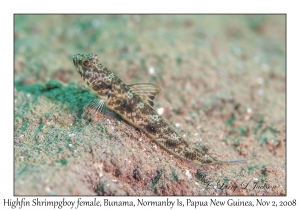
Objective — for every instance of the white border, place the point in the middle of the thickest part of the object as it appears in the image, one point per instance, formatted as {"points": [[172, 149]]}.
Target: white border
{"points": [[8, 8]]}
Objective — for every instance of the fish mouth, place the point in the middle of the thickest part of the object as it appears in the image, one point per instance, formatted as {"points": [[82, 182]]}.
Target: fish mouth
{"points": [[77, 59]]}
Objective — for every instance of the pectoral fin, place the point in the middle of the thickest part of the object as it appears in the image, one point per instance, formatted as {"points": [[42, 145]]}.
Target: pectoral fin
{"points": [[146, 91]]}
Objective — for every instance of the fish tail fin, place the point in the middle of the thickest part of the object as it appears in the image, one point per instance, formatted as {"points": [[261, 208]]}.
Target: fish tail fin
{"points": [[213, 161], [234, 161]]}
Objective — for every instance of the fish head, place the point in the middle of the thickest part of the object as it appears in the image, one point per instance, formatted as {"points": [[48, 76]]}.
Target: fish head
{"points": [[84, 62], [97, 77]]}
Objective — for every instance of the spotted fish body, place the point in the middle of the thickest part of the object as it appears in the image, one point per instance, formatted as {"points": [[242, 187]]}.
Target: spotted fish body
{"points": [[134, 104]]}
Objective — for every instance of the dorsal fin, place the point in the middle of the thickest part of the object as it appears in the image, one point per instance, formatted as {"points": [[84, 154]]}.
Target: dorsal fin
{"points": [[146, 91]]}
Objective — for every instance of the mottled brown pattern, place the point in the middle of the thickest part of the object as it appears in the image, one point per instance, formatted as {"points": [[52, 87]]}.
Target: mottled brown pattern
{"points": [[124, 106], [122, 99], [100, 86], [190, 155], [151, 128], [171, 144]]}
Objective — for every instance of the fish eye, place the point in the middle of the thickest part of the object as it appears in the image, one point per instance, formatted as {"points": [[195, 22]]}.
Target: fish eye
{"points": [[87, 63]]}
